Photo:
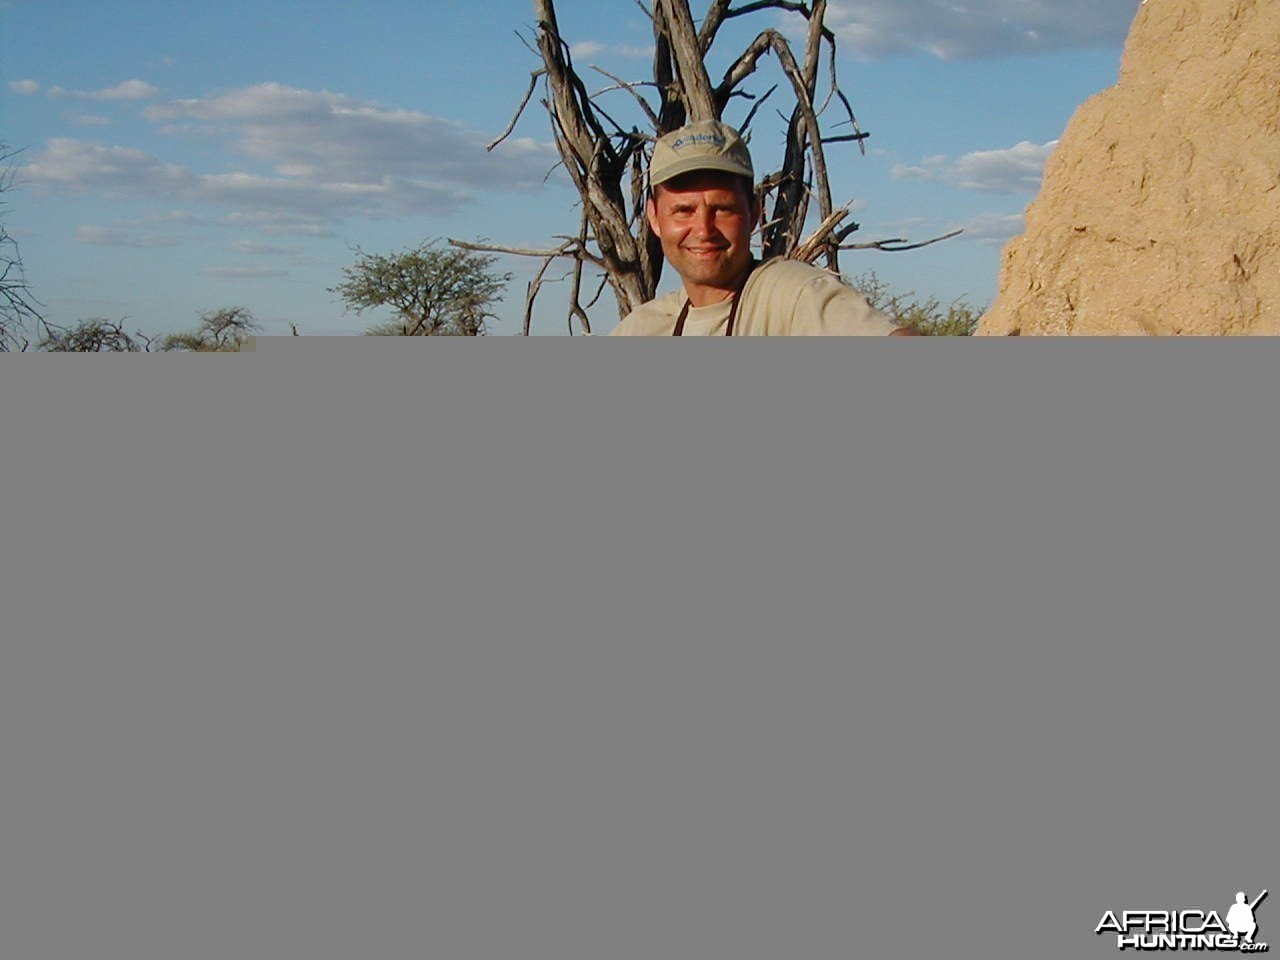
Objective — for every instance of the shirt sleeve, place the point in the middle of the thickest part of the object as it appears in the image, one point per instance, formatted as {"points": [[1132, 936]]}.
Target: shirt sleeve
{"points": [[827, 307]]}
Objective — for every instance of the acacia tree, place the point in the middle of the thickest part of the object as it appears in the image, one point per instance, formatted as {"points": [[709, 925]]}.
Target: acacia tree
{"points": [[436, 291], [95, 335], [607, 160], [225, 330], [17, 306]]}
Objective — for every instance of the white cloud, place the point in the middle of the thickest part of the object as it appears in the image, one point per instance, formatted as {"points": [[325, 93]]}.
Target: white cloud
{"points": [[258, 249], [635, 52], [118, 172], [25, 87], [588, 49], [307, 160], [1016, 169], [285, 229], [127, 90], [276, 224], [73, 166], [244, 273], [119, 237], [335, 198], [994, 228], [905, 171], [333, 157], [322, 136], [1019, 169], [953, 30], [182, 218]]}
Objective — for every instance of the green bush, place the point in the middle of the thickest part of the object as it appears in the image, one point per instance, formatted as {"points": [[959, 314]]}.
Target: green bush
{"points": [[930, 317]]}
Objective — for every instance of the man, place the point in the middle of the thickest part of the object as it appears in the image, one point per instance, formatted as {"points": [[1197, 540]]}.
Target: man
{"points": [[702, 206], [1240, 920]]}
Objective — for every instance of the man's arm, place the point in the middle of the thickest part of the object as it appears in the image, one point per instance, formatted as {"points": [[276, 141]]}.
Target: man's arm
{"points": [[821, 304]]}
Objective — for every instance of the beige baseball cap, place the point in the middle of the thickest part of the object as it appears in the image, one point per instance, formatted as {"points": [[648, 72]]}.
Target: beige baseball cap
{"points": [[705, 145]]}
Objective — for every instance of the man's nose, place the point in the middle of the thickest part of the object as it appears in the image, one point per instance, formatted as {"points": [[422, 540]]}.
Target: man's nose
{"points": [[705, 222]]}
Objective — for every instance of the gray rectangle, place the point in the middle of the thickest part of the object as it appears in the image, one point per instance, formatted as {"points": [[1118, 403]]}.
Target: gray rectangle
{"points": [[572, 649]]}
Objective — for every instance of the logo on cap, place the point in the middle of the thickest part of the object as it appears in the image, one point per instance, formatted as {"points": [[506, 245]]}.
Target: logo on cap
{"points": [[697, 138]]}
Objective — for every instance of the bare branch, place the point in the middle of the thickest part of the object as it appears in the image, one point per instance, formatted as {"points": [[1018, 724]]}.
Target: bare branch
{"points": [[698, 98], [899, 245], [751, 114], [527, 45], [804, 135], [575, 294], [528, 95], [617, 127], [813, 48], [844, 232], [535, 285], [849, 138], [639, 186], [818, 240], [768, 225], [853, 121], [604, 281], [745, 65], [561, 251], [631, 89], [711, 24], [18, 305], [835, 85], [800, 8]]}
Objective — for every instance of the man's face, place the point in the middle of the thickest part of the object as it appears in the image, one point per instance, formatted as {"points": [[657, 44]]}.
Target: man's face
{"points": [[704, 221]]}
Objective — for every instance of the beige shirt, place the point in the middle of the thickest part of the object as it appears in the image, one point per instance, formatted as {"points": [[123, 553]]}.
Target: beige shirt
{"points": [[782, 298]]}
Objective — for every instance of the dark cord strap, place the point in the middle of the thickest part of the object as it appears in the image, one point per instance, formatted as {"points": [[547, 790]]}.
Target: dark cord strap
{"points": [[733, 310]]}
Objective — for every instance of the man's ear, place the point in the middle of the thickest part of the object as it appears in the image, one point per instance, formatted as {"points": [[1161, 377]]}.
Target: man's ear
{"points": [[651, 211]]}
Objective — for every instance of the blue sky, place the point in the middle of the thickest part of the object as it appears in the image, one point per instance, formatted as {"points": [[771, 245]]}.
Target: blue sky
{"points": [[177, 158]]}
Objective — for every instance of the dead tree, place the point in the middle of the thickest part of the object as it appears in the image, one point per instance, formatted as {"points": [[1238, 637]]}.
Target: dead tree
{"points": [[607, 160], [17, 305]]}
